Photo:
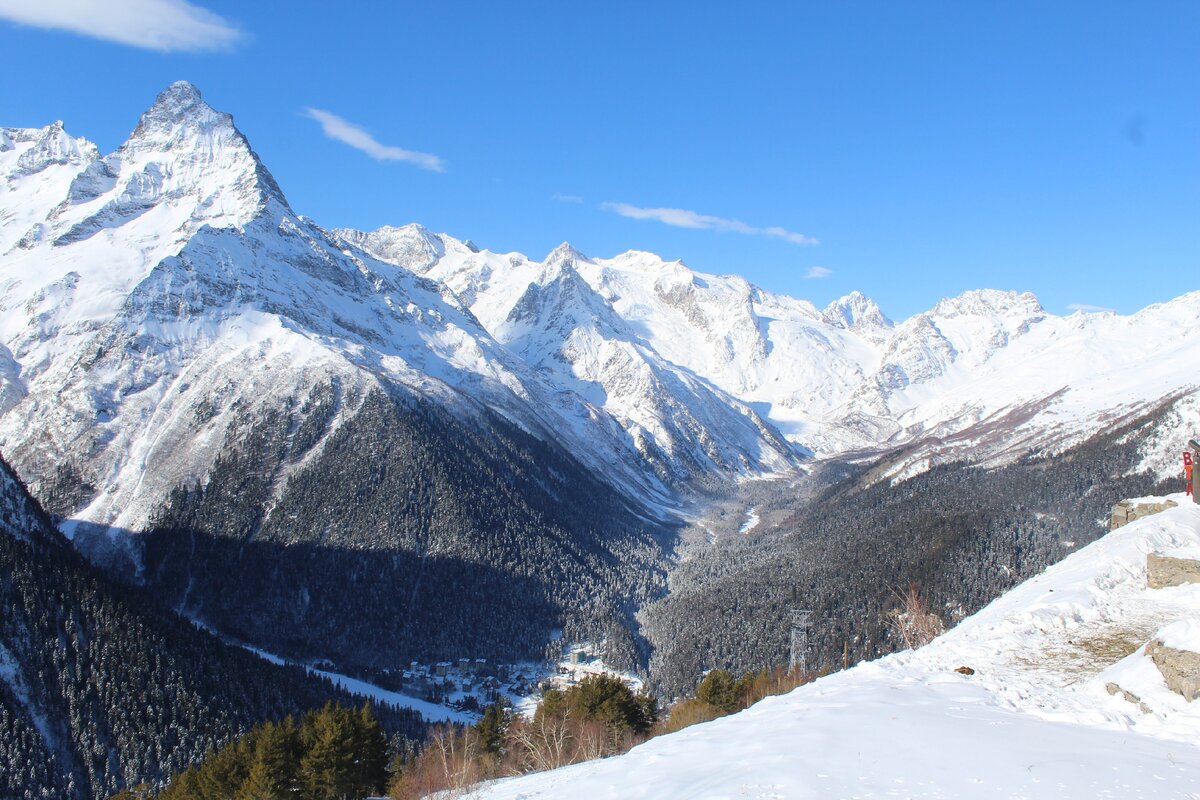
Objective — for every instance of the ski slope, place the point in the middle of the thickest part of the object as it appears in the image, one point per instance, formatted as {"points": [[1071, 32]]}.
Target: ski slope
{"points": [[1034, 720]]}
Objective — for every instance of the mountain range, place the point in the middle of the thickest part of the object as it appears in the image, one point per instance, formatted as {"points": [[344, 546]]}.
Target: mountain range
{"points": [[142, 285], [369, 447]]}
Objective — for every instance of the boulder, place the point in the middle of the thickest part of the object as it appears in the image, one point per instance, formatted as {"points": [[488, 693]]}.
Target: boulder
{"points": [[1179, 668]]}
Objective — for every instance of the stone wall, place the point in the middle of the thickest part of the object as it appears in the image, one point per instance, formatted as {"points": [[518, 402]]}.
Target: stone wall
{"points": [[1164, 571], [1127, 511]]}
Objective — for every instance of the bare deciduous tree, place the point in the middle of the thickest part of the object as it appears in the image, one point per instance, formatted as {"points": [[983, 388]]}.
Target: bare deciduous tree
{"points": [[912, 620]]}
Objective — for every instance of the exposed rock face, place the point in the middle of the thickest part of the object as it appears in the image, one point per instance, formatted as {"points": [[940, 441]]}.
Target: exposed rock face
{"points": [[1127, 511], [1164, 571], [1180, 668]]}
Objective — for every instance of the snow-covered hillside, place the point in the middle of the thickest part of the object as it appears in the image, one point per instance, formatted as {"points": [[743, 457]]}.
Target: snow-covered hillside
{"points": [[1038, 718]]}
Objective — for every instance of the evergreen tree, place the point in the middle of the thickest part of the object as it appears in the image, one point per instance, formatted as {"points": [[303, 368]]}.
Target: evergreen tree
{"points": [[327, 769], [371, 747], [491, 728], [720, 690], [276, 754]]}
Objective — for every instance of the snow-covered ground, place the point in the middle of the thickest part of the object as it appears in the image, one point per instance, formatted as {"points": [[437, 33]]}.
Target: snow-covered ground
{"points": [[752, 520], [1034, 720], [434, 712]]}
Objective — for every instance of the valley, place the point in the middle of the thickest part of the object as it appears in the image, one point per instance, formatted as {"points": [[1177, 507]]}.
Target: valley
{"points": [[397, 466]]}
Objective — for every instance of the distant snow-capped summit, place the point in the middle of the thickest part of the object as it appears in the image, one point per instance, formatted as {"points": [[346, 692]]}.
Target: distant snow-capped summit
{"points": [[855, 311], [410, 246]]}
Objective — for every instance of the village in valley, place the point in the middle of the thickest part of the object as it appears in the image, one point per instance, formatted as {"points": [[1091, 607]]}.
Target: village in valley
{"points": [[470, 685]]}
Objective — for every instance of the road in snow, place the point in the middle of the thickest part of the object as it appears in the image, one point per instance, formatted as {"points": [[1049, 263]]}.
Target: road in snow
{"points": [[1034, 721], [433, 712]]}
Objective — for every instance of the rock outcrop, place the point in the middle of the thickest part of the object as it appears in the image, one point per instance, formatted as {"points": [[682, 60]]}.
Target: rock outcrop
{"points": [[1179, 668]]}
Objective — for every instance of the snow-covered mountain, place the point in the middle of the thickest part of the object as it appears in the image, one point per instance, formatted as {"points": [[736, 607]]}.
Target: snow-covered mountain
{"points": [[330, 438], [554, 317], [986, 374], [148, 292], [1058, 700]]}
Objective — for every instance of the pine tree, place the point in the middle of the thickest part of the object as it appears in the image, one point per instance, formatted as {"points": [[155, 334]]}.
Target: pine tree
{"points": [[491, 729], [327, 770], [276, 759], [370, 744], [719, 689]]}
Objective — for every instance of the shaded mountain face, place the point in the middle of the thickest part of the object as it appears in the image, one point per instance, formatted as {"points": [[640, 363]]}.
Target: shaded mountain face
{"points": [[101, 687], [407, 534]]}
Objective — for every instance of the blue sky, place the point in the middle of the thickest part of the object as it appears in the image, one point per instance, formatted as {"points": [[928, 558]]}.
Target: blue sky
{"points": [[908, 150]]}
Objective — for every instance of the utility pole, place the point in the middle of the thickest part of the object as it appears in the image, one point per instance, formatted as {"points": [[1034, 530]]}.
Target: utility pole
{"points": [[799, 649]]}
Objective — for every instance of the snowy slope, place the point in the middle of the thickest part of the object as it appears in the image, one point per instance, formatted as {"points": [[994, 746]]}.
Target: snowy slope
{"points": [[552, 316], [1035, 720], [171, 276]]}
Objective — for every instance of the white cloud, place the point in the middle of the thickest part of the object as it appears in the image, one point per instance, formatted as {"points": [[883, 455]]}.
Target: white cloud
{"points": [[818, 272], [1088, 309], [682, 218], [348, 133], [162, 25], [567, 198]]}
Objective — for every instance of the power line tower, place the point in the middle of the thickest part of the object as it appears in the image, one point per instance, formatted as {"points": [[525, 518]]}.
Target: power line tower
{"points": [[799, 650]]}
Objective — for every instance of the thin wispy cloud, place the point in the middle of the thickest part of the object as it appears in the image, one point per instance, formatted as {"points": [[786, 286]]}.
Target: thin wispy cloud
{"points": [[818, 272], [348, 133], [682, 218], [163, 25], [1089, 309], [567, 198]]}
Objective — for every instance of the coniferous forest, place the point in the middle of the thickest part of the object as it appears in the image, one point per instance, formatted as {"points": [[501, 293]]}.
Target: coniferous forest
{"points": [[960, 534], [105, 688], [327, 754], [456, 538]]}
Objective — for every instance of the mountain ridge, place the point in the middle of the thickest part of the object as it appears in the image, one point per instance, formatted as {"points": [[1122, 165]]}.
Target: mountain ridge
{"points": [[845, 379]]}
